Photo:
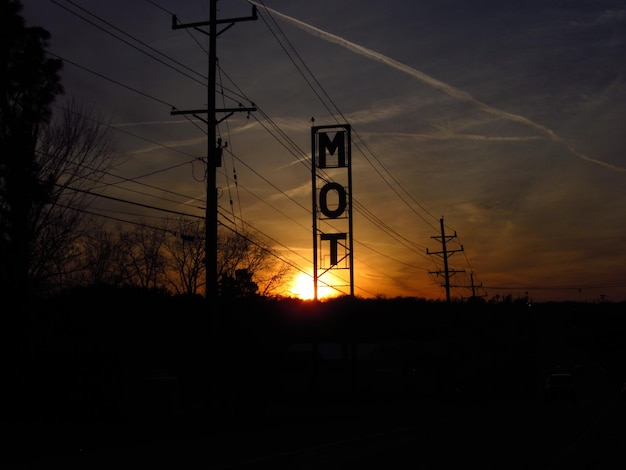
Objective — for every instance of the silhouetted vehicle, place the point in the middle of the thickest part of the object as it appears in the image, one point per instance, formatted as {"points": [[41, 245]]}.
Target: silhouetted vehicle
{"points": [[560, 387]]}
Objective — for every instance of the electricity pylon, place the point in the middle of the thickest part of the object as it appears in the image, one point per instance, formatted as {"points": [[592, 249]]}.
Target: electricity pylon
{"points": [[445, 253]]}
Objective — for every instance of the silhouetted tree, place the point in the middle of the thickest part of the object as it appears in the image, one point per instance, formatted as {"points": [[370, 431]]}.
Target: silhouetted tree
{"points": [[145, 263], [186, 249], [103, 260], [239, 285], [172, 257], [246, 261], [46, 162], [271, 280]]}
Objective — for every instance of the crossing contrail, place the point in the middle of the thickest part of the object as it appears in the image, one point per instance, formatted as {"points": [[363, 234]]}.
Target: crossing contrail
{"points": [[433, 82]]}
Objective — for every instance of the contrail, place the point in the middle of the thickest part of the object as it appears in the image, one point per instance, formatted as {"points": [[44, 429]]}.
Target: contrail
{"points": [[433, 82], [452, 136]]}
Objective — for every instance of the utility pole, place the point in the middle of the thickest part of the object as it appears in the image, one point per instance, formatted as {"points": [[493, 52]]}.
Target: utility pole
{"points": [[474, 296], [214, 148], [214, 160], [473, 287], [445, 253]]}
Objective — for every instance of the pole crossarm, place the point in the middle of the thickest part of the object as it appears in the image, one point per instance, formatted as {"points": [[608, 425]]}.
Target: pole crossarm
{"points": [[230, 111], [177, 25], [450, 271], [443, 253], [206, 111]]}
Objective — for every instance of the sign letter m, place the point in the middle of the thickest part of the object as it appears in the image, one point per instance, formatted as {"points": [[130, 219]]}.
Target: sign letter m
{"points": [[325, 144]]}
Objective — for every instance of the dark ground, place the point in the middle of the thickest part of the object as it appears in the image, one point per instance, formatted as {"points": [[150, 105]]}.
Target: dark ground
{"points": [[419, 388]]}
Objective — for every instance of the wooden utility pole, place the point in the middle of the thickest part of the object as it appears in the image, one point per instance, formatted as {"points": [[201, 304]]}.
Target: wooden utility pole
{"points": [[214, 156], [473, 287], [214, 148], [445, 253], [474, 296]]}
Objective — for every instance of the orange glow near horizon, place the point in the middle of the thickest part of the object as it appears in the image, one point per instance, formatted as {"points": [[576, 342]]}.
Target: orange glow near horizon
{"points": [[302, 288]]}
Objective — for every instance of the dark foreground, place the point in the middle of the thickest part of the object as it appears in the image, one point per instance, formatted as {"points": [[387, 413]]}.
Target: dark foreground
{"points": [[392, 384], [401, 433]]}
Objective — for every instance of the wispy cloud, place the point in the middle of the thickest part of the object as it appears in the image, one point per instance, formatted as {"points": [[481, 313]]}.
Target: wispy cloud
{"points": [[435, 83], [608, 16], [171, 145], [151, 123], [455, 136]]}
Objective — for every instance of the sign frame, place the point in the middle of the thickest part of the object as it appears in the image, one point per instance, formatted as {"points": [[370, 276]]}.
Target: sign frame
{"points": [[331, 181]]}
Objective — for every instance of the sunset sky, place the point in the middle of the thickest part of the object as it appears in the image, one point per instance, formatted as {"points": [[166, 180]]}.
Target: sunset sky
{"points": [[506, 119]]}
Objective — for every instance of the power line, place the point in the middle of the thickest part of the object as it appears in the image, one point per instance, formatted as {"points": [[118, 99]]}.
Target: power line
{"points": [[130, 44], [392, 187], [286, 142], [147, 206], [371, 217]]}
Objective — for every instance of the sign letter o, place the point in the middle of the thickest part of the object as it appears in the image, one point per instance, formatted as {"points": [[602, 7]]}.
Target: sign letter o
{"points": [[341, 205]]}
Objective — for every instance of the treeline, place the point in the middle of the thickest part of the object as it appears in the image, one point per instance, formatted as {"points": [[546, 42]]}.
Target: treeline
{"points": [[105, 318], [89, 353]]}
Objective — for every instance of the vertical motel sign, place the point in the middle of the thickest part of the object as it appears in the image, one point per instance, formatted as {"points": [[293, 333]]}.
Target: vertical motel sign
{"points": [[331, 175]]}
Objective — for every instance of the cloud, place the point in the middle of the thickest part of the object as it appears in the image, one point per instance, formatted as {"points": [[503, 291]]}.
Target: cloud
{"points": [[606, 17], [437, 84], [151, 123], [448, 135], [170, 145]]}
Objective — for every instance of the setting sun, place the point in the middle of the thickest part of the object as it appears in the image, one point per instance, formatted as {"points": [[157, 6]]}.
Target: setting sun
{"points": [[302, 287]]}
